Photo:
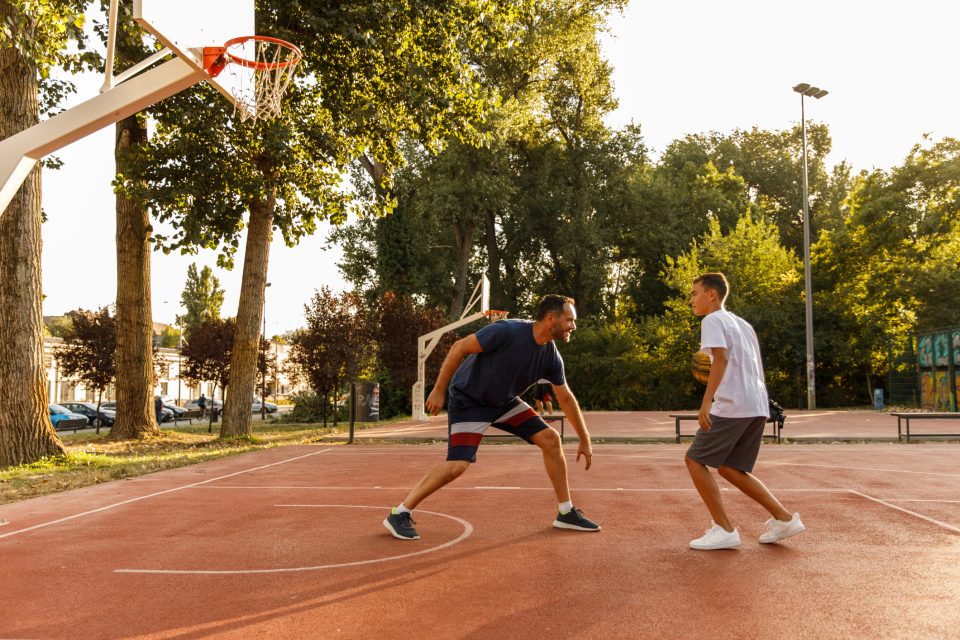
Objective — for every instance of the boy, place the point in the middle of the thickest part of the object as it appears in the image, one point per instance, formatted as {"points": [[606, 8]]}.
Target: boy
{"points": [[732, 417]]}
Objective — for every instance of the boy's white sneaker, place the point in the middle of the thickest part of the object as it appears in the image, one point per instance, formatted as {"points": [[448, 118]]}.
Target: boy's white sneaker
{"points": [[716, 537], [778, 530]]}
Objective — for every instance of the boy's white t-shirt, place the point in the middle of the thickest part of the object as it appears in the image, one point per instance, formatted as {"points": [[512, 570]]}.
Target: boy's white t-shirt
{"points": [[742, 392]]}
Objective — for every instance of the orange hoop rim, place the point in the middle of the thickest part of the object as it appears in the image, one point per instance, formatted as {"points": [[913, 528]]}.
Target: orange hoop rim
{"points": [[262, 66], [496, 314]]}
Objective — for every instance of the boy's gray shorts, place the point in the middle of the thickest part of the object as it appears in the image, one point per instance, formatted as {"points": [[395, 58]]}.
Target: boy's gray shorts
{"points": [[730, 442]]}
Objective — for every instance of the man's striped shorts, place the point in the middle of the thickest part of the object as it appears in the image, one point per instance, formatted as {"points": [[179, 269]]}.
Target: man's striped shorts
{"points": [[468, 422]]}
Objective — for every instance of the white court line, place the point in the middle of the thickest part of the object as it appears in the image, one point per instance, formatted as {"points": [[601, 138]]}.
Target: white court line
{"points": [[907, 511], [467, 531], [926, 500], [485, 488], [153, 495], [832, 466]]}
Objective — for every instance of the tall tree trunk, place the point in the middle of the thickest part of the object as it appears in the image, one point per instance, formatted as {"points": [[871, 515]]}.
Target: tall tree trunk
{"points": [[237, 417], [26, 434], [135, 414]]}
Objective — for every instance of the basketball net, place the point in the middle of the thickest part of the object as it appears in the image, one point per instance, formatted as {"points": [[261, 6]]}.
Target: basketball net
{"points": [[496, 314], [259, 95]]}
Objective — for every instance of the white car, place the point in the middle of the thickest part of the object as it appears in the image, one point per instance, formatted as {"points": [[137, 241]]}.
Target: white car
{"points": [[254, 406]]}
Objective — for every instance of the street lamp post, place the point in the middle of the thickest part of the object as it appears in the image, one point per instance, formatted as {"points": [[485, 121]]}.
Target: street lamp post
{"points": [[263, 380], [805, 90]]}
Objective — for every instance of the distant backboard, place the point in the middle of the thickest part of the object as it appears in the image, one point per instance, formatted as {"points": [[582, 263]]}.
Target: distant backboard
{"points": [[187, 26]]}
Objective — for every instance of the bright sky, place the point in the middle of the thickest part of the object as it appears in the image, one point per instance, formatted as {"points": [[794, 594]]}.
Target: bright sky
{"points": [[680, 67]]}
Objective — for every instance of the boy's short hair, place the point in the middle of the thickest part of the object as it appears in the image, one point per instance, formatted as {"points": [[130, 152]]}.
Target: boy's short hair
{"points": [[552, 303], [716, 281]]}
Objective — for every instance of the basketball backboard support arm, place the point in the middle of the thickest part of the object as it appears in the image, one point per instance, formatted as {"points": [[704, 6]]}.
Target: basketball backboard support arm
{"points": [[20, 153], [184, 28], [427, 342]]}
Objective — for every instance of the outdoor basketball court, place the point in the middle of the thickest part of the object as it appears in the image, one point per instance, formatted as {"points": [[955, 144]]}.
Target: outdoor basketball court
{"points": [[288, 543]]}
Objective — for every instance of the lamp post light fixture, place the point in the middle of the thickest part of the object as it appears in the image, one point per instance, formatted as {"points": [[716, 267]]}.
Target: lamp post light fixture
{"points": [[805, 90]]}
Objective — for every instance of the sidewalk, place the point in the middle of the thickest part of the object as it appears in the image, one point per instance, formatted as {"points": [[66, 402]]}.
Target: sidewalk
{"points": [[658, 426]]}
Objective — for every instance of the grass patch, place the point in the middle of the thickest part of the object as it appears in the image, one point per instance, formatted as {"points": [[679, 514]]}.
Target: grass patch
{"points": [[93, 459]]}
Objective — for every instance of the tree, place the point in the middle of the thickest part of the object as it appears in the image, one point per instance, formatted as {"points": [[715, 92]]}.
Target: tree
{"points": [[59, 326], [398, 322], [206, 355], [374, 73], [87, 353], [335, 347], [33, 40], [202, 298], [135, 367], [522, 206], [169, 338]]}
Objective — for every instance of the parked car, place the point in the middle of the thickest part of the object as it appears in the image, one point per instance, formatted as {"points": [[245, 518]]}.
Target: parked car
{"points": [[166, 415], [58, 414], [89, 409], [254, 406], [175, 410], [271, 408]]}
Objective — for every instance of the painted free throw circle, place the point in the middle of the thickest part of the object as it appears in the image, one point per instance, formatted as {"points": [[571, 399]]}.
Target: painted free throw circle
{"points": [[467, 531]]}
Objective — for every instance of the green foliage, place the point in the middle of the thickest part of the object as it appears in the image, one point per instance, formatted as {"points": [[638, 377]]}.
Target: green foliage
{"points": [[59, 326], [48, 34], [202, 298], [398, 322], [335, 347], [169, 338]]}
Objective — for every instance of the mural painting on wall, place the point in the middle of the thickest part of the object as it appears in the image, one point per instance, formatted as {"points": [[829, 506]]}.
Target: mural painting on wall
{"points": [[944, 399], [956, 349], [941, 350], [928, 388], [925, 351]]}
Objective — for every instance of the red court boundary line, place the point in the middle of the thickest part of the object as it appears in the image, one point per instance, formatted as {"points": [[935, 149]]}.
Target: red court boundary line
{"points": [[155, 494], [907, 511]]}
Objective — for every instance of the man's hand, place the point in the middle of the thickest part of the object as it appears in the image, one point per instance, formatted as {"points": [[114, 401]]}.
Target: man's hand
{"points": [[586, 451], [435, 401]]}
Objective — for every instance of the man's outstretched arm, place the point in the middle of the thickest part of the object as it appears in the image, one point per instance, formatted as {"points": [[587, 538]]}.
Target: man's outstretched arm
{"points": [[460, 350], [571, 409]]}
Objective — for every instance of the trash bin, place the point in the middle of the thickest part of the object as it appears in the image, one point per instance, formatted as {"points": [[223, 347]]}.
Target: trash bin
{"points": [[366, 401], [214, 414], [878, 399]]}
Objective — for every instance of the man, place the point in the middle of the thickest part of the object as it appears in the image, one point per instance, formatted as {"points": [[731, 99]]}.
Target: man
{"points": [[485, 372], [542, 399], [732, 417]]}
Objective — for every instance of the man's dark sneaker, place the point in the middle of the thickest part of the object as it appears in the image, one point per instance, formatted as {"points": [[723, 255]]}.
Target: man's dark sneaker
{"points": [[574, 519], [401, 526]]}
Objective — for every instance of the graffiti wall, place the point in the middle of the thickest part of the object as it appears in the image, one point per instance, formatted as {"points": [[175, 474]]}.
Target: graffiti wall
{"points": [[938, 368]]}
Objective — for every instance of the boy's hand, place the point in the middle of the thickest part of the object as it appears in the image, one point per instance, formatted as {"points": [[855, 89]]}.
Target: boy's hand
{"points": [[703, 417]]}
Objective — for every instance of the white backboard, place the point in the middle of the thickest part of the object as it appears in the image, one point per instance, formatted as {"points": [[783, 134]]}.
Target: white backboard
{"points": [[187, 26]]}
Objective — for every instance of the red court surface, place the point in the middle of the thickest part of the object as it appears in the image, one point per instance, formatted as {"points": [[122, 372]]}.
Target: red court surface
{"points": [[288, 543], [658, 426]]}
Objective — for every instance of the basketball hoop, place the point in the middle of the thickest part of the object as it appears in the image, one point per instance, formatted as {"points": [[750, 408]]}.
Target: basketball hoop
{"points": [[495, 315], [273, 62]]}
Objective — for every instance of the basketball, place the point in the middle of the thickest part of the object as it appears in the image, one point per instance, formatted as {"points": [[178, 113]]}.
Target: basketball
{"points": [[700, 367]]}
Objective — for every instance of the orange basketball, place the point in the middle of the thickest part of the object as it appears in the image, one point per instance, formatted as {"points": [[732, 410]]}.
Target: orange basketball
{"points": [[700, 366]]}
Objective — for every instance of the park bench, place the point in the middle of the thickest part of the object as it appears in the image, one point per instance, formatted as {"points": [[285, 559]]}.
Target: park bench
{"points": [[906, 417], [678, 417], [73, 425], [553, 417]]}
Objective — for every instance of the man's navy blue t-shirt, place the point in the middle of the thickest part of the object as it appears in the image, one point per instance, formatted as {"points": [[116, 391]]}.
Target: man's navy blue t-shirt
{"points": [[511, 361]]}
